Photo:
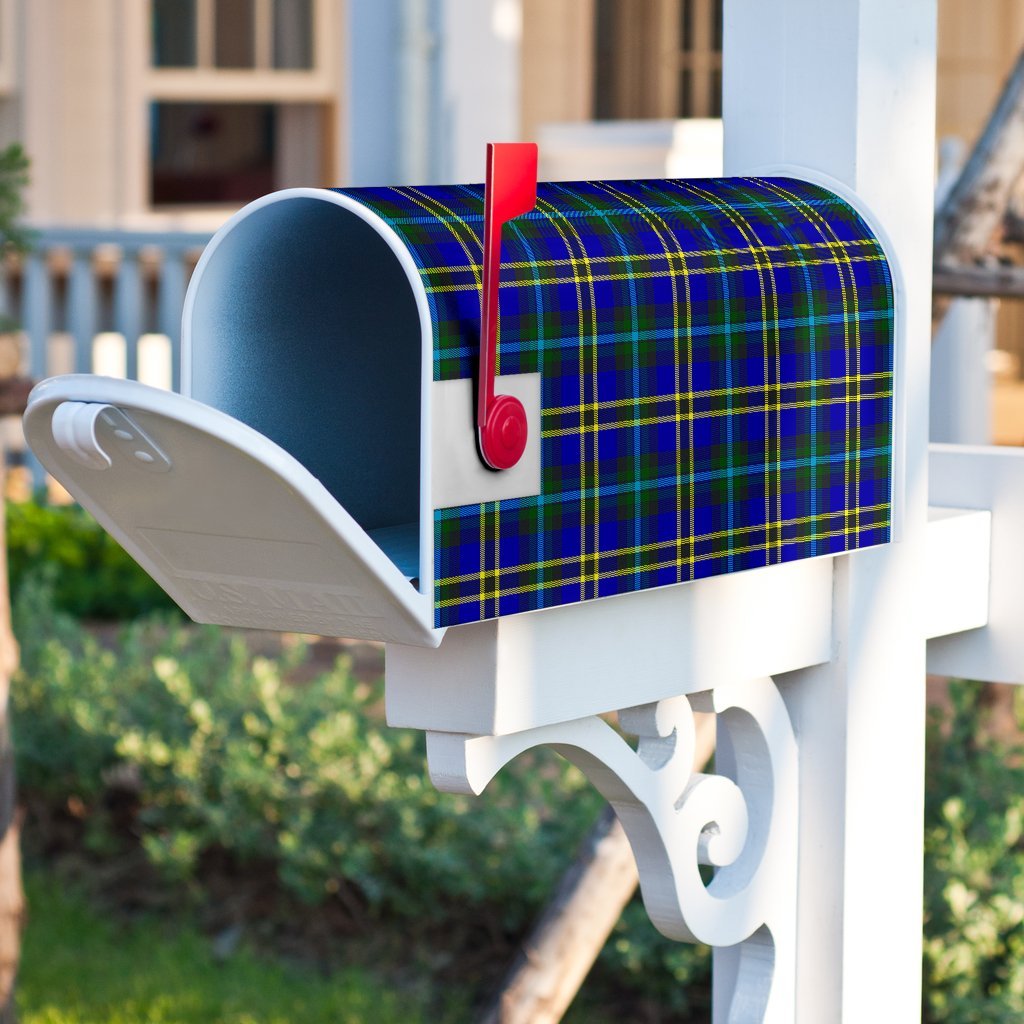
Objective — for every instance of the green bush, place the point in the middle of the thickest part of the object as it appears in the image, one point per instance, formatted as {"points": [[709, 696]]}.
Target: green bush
{"points": [[226, 756], [90, 573], [974, 869]]}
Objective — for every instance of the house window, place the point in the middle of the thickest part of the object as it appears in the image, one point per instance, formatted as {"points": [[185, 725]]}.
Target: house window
{"points": [[234, 34], [293, 34], [242, 96], [227, 154], [257, 35], [700, 59], [212, 152], [658, 58], [174, 33]]}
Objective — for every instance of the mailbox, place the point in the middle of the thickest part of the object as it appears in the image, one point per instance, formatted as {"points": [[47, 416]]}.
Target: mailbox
{"points": [[704, 369]]}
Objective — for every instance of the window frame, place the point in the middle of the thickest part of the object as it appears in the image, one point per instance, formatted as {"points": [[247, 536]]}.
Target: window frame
{"points": [[144, 85], [650, 58], [262, 83]]}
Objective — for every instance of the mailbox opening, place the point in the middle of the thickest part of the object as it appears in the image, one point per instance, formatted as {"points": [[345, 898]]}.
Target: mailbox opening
{"points": [[301, 323]]}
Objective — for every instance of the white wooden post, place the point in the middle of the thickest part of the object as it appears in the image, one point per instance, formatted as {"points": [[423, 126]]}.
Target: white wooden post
{"points": [[849, 89]]}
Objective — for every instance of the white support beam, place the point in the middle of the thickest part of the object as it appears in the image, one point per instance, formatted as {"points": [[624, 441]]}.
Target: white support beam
{"points": [[525, 671], [956, 591], [848, 89], [992, 479]]}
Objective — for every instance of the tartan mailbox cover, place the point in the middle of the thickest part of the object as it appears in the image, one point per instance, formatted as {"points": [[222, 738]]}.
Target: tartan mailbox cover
{"points": [[706, 367]]}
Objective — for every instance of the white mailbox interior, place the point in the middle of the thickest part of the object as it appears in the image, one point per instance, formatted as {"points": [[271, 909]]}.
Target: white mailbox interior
{"points": [[302, 323]]}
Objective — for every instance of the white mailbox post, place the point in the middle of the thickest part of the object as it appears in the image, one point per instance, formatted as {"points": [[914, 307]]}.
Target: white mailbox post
{"points": [[351, 519], [850, 88]]}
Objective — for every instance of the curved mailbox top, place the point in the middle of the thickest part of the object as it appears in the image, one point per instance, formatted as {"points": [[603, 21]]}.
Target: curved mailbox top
{"points": [[716, 381]]}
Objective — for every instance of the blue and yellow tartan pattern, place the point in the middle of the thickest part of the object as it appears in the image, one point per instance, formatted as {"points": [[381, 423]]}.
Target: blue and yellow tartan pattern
{"points": [[716, 390]]}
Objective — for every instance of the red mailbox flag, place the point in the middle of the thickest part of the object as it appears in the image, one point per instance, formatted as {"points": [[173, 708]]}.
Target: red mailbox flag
{"points": [[510, 190]]}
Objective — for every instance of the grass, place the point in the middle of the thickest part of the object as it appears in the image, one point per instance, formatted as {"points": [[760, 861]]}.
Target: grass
{"points": [[79, 968]]}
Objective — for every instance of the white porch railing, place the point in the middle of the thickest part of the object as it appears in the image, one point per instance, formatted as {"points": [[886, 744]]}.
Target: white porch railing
{"points": [[99, 301], [102, 301]]}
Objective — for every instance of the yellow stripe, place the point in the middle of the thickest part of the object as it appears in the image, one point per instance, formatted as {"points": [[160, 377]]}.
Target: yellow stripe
{"points": [[756, 250], [782, 227], [438, 289], [497, 553], [431, 205], [658, 545], [842, 260], [558, 221], [569, 261], [669, 563], [482, 532], [427, 203], [615, 403], [768, 407]]}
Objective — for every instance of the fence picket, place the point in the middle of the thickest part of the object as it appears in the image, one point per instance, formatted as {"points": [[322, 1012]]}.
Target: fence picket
{"points": [[81, 312], [67, 283]]}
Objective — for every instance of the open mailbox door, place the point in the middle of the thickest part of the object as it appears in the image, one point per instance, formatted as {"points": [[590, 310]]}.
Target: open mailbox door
{"points": [[236, 530]]}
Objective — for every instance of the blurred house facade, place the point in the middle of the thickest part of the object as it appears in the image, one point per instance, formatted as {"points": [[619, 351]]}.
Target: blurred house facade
{"points": [[163, 113], [150, 121], [172, 113]]}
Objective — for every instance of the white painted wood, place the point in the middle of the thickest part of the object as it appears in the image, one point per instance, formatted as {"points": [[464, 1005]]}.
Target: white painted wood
{"points": [[459, 475], [562, 946], [610, 150], [960, 410], [986, 478], [228, 523], [957, 582], [374, 97], [524, 671], [847, 89], [415, 55], [745, 825]]}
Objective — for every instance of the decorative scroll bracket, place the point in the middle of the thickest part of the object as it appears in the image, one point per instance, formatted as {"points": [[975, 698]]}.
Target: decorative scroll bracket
{"points": [[743, 822]]}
